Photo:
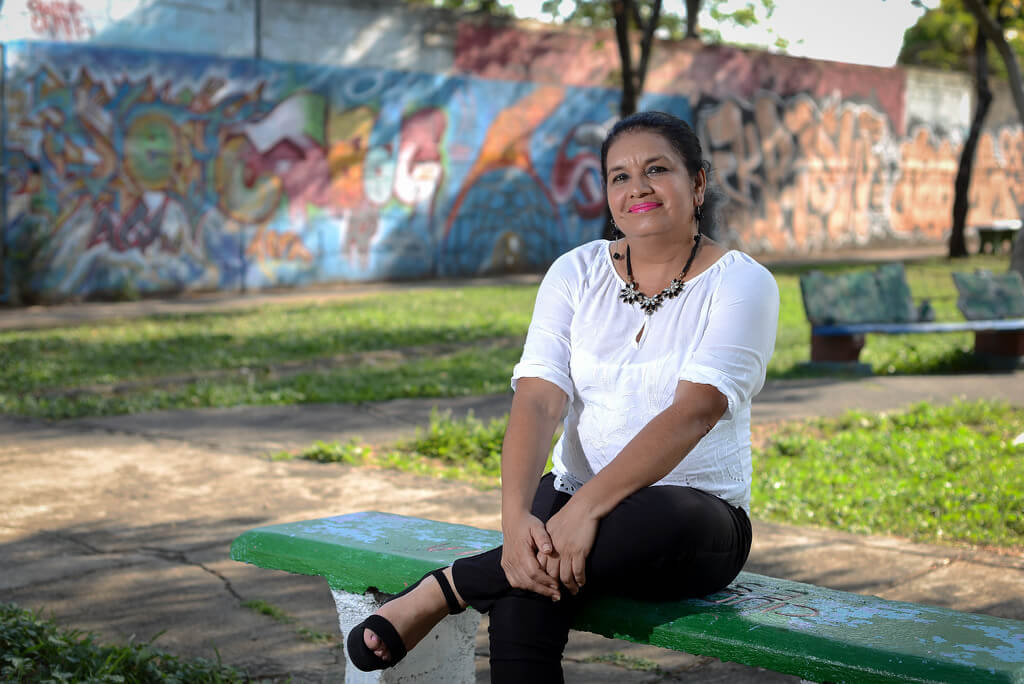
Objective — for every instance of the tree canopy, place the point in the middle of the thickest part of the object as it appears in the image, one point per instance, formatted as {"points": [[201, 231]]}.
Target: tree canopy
{"points": [[601, 13], [943, 38]]}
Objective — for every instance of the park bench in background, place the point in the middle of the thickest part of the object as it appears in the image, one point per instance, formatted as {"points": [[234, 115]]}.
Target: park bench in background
{"points": [[818, 634], [996, 233], [843, 308]]}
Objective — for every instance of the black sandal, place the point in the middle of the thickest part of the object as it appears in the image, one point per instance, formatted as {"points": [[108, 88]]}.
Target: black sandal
{"points": [[365, 659]]}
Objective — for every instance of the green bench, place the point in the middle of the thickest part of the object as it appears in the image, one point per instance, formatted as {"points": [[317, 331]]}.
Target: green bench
{"points": [[815, 633], [843, 308]]}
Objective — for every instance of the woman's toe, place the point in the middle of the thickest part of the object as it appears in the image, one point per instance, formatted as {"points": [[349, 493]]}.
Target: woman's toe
{"points": [[372, 641]]}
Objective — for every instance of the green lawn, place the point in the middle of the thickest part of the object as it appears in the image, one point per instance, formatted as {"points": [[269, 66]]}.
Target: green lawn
{"points": [[939, 474], [948, 473], [431, 342]]}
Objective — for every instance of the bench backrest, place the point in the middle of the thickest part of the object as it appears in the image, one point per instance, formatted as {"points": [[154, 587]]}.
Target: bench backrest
{"points": [[878, 296], [985, 296]]}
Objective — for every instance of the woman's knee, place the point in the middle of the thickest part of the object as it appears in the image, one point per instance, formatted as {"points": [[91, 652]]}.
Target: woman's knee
{"points": [[529, 627]]}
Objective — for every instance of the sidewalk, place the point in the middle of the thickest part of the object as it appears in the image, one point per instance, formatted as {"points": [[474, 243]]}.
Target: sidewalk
{"points": [[121, 526]]}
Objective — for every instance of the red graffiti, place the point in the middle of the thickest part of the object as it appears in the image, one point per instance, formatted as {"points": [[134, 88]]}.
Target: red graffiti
{"points": [[59, 19]]}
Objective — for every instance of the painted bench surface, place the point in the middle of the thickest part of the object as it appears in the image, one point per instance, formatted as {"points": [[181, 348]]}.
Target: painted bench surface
{"points": [[790, 627]]}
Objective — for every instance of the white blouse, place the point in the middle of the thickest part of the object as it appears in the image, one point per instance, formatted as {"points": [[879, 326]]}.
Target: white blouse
{"points": [[719, 331]]}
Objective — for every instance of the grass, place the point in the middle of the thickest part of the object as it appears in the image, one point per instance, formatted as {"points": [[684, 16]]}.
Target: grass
{"points": [[422, 343], [277, 615], [36, 650], [937, 474], [947, 473], [467, 449]]}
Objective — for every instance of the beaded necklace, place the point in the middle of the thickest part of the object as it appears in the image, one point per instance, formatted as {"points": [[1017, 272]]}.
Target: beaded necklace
{"points": [[631, 294]]}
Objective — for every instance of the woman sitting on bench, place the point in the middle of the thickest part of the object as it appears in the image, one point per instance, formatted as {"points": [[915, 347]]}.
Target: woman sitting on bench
{"points": [[650, 488]]}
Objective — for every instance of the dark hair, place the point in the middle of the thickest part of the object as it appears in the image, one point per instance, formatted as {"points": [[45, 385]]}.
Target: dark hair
{"points": [[681, 137]]}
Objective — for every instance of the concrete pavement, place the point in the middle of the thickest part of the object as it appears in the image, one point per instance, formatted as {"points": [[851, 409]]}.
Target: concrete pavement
{"points": [[121, 525]]}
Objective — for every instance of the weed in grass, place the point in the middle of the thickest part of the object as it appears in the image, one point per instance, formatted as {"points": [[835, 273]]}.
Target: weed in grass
{"points": [[263, 608], [305, 633], [314, 637], [624, 661], [36, 650], [466, 449], [351, 452]]}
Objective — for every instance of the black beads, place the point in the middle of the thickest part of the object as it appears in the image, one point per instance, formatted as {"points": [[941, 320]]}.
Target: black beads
{"points": [[631, 293]]}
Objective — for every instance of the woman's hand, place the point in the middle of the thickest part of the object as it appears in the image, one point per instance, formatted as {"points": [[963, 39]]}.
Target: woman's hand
{"points": [[572, 531], [525, 539]]}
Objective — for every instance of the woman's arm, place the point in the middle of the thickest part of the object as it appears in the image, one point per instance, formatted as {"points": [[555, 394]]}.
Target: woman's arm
{"points": [[537, 408], [649, 456]]}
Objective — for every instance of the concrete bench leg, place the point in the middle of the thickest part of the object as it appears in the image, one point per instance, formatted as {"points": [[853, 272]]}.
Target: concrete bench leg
{"points": [[446, 655]]}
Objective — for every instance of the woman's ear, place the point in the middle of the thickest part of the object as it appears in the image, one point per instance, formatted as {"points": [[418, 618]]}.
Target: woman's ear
{"points": [[700, 183]]}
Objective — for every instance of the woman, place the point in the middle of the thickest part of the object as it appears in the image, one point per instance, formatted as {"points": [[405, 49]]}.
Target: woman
{"points": [[650, 488]]}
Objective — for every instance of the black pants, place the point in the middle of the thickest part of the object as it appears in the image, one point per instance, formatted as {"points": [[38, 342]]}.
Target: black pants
{"points": [[661, 543]]}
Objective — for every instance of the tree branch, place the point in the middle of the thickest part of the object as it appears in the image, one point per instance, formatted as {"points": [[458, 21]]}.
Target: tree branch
{"points": [[994, 33], [646, 43]]}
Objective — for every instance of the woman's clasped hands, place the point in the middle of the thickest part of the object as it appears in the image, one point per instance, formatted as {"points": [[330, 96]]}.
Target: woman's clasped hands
{"points": [[543, 558], [572, 531]]}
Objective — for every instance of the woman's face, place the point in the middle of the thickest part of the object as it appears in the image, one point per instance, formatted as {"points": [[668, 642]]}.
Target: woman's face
{"points": [[649, 189]]}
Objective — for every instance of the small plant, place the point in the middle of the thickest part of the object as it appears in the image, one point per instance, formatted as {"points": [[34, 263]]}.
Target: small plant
{"points": [[624, 661], [263, 608], [305, 633], [36, 650]]}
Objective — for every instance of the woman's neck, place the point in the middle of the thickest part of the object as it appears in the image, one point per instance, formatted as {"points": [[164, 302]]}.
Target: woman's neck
{"points": [[656, 262]]}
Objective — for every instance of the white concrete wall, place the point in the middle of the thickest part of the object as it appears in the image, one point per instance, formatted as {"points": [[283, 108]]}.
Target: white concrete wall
{"points": [[387, 34], [384, 33], [218, 27], [939, 99]]}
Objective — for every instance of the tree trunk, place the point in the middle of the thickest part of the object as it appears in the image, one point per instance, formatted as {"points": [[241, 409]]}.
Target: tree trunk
{"points": [[692, 10], [957, 244], [646, 42], [621, 12]]}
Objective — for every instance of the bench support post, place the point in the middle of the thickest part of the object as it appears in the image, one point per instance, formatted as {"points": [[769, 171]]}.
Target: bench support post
{"points": [[1000, 349], [836, 347], [445, 655]]}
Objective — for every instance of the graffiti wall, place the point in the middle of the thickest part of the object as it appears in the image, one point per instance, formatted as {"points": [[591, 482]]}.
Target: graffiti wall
{"points": [[133, 170], [811, 155], [162, 172]]}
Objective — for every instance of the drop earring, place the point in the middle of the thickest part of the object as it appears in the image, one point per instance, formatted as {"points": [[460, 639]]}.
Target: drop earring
{"points": [[618, 235]]}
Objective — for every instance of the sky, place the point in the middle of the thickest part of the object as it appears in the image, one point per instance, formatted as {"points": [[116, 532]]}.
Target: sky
{"points": [[854, 31]]}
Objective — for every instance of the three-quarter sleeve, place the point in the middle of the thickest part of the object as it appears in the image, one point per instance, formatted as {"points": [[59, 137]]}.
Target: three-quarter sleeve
{"points": [[546, 352], [739, 339]]}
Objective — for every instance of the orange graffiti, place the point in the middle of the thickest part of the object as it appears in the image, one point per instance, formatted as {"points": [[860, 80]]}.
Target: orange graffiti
{"points": [[269, 244]]}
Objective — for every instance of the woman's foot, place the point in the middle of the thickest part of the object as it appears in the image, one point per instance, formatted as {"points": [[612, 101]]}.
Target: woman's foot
{"points": [[414, 614]]}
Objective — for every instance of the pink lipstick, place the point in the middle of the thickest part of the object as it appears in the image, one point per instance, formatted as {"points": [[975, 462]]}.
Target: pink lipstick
{"points": [[643, 207]]}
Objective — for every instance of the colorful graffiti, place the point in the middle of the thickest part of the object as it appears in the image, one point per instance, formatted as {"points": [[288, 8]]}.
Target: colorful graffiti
{"points": [[805, 175], [160, 172], [812, 155], [166, 173]]}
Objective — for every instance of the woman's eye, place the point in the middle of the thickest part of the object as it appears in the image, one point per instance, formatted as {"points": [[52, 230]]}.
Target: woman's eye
{"points": [[655, 169], [617, 178]]}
